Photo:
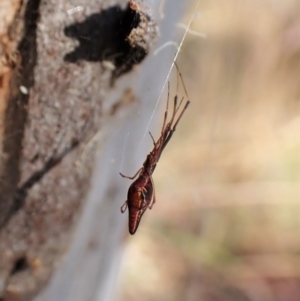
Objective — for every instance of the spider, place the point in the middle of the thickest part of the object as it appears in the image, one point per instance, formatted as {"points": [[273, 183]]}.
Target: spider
{"points": [[141, 193]]}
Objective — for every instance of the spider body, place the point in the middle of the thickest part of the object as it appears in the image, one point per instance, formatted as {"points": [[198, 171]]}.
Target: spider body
{"points": [[140, 197]]}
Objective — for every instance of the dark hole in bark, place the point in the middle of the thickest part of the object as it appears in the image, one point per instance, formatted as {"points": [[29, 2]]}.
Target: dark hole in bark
{"points": [[103, 36], [21, 264]]}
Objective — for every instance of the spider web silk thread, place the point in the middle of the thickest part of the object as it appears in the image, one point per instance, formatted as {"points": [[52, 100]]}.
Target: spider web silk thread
{"points": [[169, 72], [124, 147]]}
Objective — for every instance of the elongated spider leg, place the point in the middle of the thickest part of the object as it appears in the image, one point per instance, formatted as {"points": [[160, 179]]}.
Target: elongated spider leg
{"points": [[174, 110], [179, 105], [153, 200], [143, 191], [144, 207], [168, 135], [131, 178], [152, 139], [183, 84], [184, 87], [124, 207], [179, 117], [167, 128], [167, 109]]}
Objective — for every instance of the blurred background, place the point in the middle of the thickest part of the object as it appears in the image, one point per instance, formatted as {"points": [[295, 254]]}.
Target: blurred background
{"points": [[226, 225]]}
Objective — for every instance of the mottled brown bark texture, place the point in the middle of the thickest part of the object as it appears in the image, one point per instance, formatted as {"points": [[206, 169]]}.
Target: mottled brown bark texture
{"points": [[58, 62]]}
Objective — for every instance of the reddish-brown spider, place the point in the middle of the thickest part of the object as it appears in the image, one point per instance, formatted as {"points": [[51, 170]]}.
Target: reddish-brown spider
{"points": [[141, 193]]}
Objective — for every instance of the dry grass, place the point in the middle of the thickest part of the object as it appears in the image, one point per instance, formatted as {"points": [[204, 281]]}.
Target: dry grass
{"points": [[226, 224]]}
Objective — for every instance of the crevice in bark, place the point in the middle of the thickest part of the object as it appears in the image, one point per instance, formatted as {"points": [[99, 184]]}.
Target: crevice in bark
{"points": [[21, 192], [16, 111]]}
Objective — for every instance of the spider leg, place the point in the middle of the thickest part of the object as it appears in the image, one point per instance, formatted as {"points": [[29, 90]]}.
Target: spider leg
{"points": [[131, 178], [152, 138], [181, 79], [175, 100], [142, 191], [181, 100], [124, 207], [167, 127], [179, 117], [144, 207], [153, 200], [175, 108], [167, 109], [171, 131]]}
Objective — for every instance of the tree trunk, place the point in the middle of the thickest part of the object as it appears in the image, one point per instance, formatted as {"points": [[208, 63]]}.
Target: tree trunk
{"points": [[63, 92]]}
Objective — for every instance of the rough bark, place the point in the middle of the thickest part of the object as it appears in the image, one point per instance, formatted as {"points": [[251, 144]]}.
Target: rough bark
{"points": [[52, 105]]}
